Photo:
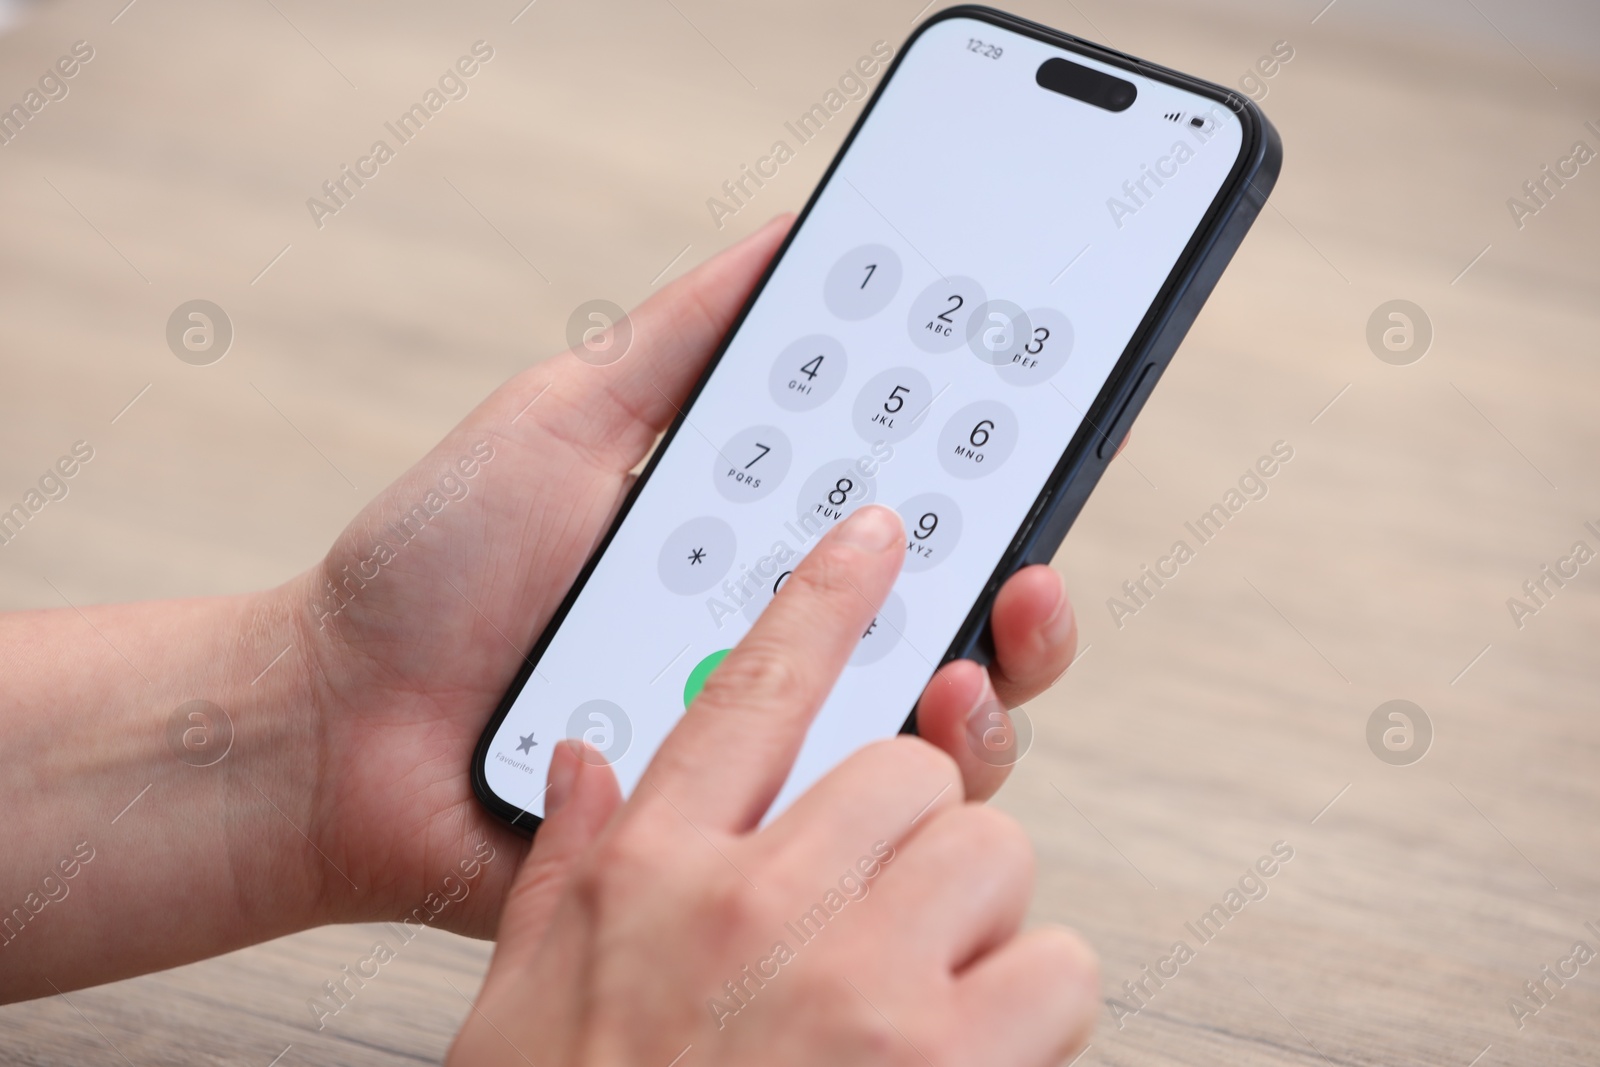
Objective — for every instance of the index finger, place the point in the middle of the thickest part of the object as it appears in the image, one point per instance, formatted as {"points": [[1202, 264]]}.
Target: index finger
{"points": [[729, 756]]}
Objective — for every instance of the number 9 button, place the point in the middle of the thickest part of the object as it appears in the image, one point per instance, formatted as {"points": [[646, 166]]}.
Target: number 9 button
{"points": [[933, 528]]}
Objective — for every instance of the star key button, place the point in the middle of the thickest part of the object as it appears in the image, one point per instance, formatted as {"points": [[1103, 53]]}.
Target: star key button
{"points": [[697, 555]]}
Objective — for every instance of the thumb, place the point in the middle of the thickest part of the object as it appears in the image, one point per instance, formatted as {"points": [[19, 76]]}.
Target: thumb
{"points": [[580, 800]]}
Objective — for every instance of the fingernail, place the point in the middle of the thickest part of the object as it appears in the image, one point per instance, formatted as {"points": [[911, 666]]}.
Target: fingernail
{"points": [[985, 713], [564, 764], [873, 528], [1060, 624]]}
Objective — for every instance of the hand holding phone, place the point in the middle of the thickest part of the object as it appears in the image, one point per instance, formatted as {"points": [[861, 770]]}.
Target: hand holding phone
{"points": [[400, 661], [875, 920], [981, 293]]}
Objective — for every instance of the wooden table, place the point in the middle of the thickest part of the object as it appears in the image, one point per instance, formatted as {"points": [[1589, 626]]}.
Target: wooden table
{"points": [[1230, 713]]}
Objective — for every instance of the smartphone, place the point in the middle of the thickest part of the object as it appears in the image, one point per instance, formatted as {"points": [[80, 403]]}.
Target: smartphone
{"points": [[962, 324]]}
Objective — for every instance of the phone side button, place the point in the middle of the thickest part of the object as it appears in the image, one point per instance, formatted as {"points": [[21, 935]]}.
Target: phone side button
{"points": [[1112, 439]]}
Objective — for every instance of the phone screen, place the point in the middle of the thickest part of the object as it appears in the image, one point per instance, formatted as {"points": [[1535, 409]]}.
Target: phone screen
{"points": [[931, 339]]}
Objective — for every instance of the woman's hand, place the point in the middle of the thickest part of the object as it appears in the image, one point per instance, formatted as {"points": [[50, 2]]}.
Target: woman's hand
{"points": [[417, 619], [327, 779], [876, 921]]}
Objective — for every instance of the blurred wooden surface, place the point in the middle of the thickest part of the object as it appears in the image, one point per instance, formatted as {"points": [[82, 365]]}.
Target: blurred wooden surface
{"points": [[1225, 716]]}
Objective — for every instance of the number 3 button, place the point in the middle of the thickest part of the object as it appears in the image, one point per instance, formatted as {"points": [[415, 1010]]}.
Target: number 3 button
{"points": [[753, 464], [933, 527]]}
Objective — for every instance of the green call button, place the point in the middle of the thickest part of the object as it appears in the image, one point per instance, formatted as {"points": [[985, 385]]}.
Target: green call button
{"points": [[698, 676]]}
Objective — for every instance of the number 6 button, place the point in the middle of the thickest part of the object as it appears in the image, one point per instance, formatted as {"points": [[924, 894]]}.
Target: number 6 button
{"points": [[933, 528], [978, 439], [753, 464]]}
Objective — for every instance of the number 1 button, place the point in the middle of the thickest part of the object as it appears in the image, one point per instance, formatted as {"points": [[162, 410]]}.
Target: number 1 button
{"points": [[862, 282]]}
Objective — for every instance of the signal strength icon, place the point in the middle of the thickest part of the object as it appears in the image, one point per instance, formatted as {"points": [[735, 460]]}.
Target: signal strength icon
{"points": [[1173, 116]]}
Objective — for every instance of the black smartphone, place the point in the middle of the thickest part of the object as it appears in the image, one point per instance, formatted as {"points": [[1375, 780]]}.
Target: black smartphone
{"points": [[976, 301]]}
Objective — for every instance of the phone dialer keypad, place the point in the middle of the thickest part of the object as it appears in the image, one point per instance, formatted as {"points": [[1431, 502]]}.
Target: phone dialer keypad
{"points": [[978, 439], [1041, 351], [835, 490], [862, 282], [933, 529], [752, 464], [939, 315], [892, 405], [697, 555], [807, 373]]}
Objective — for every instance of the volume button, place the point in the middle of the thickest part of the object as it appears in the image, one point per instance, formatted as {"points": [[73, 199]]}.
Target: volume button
{"points": [[1113, 435]]}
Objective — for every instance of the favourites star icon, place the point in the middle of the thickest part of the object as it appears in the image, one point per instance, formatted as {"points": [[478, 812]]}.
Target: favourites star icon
{"points": [[527, 743]]}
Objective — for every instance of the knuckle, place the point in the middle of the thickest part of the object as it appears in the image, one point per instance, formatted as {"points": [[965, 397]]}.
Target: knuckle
{"points": [[922, 766], [724, 907], [611, 863], [640, 867], [976, 834], [1066, 953], [928, 759], [858, 1032], [1069, 983], [998, 832]]}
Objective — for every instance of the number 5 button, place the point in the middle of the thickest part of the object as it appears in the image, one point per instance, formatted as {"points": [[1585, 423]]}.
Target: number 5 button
{"points": [[752, 464], [892, 405]]}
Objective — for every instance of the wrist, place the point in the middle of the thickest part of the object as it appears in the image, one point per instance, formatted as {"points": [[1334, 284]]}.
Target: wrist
{"points": [[253, 768], [170, 742]]}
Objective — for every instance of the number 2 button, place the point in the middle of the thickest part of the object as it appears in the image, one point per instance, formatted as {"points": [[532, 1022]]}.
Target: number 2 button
{"points": [[938, 318]]}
